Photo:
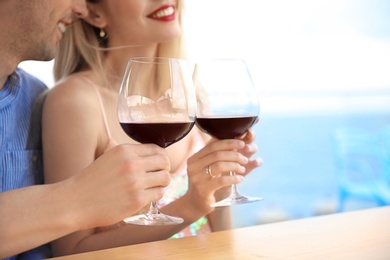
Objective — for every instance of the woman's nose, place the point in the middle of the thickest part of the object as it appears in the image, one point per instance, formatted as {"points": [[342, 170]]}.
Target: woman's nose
{"points": [[80, 8]]}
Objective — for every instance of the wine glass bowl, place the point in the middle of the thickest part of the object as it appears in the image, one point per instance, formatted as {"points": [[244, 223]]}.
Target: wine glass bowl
{"points": [[227, 106], [157, 104]]}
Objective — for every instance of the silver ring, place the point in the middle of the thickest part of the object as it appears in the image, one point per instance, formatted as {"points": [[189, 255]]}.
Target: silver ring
{"points": [[209, 172]]}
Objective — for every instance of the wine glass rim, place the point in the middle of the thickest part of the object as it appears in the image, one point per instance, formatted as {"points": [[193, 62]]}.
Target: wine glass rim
{"points": [[222, 59], [155, 59]]}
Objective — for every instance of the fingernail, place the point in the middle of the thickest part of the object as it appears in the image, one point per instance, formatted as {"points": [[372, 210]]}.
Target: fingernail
{"points": [[241, 143], [259, 161], [240, 178], [246, 160]]}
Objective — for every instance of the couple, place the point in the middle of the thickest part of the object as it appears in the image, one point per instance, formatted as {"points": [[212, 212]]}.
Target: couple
{"points": [[93, 172]]}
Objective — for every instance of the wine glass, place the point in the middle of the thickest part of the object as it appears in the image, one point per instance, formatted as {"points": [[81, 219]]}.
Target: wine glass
{"points": [[228, 106], [157, 104]]}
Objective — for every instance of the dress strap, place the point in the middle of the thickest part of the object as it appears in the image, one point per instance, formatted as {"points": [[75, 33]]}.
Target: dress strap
{"points": [[101, 106]]}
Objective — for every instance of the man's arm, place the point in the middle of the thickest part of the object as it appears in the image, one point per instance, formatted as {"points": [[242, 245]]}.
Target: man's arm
{"points": [[115, 186], [32, 216]]}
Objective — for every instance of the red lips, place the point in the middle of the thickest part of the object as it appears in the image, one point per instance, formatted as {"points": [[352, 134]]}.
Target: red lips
{"points": [[165, 13]]}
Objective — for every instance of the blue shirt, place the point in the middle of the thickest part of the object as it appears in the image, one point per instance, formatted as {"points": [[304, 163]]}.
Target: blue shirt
{"points": [[20, 140]]}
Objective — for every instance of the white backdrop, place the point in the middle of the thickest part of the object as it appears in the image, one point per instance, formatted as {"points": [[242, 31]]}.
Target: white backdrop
{"points": [[323, 48]]}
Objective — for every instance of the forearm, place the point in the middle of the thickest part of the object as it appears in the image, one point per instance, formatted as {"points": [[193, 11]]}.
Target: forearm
{"points": [[220, 219], [32, 216], [128, 234]]}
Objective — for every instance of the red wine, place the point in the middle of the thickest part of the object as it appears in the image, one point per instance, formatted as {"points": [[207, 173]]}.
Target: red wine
{"points": [[162, 134], [225, 127]]}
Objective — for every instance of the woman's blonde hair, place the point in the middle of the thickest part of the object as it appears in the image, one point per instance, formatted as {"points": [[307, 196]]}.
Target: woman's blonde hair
{"points": [[81, 48]]}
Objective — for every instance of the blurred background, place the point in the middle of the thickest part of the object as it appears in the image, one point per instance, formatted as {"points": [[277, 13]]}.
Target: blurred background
{"points": [[322, 69]]}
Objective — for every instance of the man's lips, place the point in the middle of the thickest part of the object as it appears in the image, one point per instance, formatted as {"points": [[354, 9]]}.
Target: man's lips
{"points": [[164, 13], [64, 24], [62, 27]]}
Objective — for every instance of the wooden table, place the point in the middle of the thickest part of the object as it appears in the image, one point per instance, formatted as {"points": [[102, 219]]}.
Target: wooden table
{"points": [[363, 234]]}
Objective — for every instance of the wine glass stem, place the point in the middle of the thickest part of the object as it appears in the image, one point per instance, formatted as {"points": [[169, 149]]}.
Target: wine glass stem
{"points": [[234, 192], [153, 208]]}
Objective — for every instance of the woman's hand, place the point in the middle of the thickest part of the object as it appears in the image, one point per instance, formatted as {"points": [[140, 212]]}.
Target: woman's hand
{"points": [[249, 150], [207, 171]]}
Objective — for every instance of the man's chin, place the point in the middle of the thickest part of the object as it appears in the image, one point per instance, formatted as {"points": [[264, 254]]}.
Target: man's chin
{"points": [[48, 55]]}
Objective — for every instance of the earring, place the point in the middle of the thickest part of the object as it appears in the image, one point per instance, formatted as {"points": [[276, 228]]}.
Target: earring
{"points": [[102, 33]]}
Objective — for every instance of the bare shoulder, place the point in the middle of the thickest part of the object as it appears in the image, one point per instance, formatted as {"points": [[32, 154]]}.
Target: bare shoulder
{"points": [[72, 101], [74, 91], [71, 88]]}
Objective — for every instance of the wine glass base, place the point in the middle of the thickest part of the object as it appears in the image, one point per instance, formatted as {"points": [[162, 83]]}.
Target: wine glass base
{"points": [[157, 219], [235, 200]]}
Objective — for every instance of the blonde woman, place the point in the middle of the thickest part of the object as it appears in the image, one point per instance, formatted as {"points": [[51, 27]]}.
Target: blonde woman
{"points": [[80, 122]]}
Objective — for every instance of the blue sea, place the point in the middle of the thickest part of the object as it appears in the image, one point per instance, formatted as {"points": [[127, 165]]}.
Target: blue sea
{"points": [[299, 178]]}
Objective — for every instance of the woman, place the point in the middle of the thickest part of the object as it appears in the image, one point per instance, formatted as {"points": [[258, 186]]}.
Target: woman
{"points": [[80, 116]]}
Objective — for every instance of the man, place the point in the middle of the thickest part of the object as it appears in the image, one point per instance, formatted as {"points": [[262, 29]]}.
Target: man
{"points": [[109, 190]]}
